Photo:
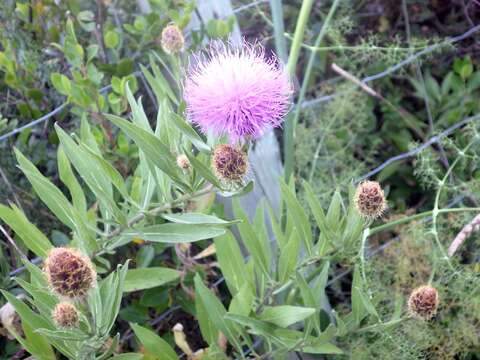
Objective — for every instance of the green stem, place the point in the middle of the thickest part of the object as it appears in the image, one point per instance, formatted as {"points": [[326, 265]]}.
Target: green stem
{"points": [[436, 211], [370, 231], [381, 325], [278, 28], [298, 36], [406, 219], [292, 121], [153, 212], [291, 65]]}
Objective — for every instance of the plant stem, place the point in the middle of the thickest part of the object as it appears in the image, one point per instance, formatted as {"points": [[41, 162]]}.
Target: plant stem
{"points": [[140, 216], [370, 231], [406, 219], [381, 325], [278, 28], [306, 80], [436, 211], [291, 65]]}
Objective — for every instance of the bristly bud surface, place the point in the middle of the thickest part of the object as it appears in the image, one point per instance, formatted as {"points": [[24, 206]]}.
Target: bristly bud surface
{"points": [[65, 315], [370, 200], [423, 302], [229, 163], [69, 272], [172, 39]]}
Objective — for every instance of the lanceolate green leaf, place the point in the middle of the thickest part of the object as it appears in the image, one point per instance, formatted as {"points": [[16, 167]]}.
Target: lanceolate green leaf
{"points": [[285, 315], [44, 299], [57, 203], [299, 216], [175, 233], [289, 257], [107, 299], [93, 172], [320, 283], [138, 113], [154, 344], [49, 193], [216, 312], [358, 308], [38, 344], [208, 329], [69, 179], [242, 302], [316, 208], [251, 240], [156, 152], [33, 238], [197, 218], [128, 356], [334, 212], [231, 262], [34, 320], [112, 174], [190, 133], [146, 278]]}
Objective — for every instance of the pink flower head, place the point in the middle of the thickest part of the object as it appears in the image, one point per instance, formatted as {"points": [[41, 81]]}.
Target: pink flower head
{"points": [[238, 92]]}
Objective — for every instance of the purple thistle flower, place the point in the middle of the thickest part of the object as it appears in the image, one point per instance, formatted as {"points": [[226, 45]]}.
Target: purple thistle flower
{"points": [[237, 92]]}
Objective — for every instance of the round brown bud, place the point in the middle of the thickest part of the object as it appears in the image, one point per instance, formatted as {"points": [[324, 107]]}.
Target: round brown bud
{"points": [[229, 164], [183, 162], [370, 199], [69, 272], [172, 39], [423, 302], [65, 315]]}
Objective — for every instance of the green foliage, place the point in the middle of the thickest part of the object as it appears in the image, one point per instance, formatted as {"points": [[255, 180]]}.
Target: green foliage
{"points": [[312, 276]]}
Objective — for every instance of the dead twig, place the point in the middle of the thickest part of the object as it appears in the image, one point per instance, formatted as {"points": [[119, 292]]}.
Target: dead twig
{"points": [[465, 233]]}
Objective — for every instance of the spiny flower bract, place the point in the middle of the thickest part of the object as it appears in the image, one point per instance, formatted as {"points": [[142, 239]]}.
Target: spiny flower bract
{"points": [[370, 199], [229, 163], [423, 302], [237, 91], [69, 272], [65, 315], [172, 39]]}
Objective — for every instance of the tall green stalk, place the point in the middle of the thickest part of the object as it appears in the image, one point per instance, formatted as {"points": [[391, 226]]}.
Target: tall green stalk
{"points": [[278, 28], [291, 65], [292, 119]]}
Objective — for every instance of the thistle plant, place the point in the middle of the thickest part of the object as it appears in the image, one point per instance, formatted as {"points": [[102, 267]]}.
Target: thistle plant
{"points": [[72, 306], [278, 299]]}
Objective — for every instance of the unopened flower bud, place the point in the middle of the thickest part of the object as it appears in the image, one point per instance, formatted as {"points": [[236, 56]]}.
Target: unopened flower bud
{"points": [[183, 162], [229, 164], [172, 39], [370, 199], [69, 272], [65, 315], [181, 339], [423, 302], [10, 320]]}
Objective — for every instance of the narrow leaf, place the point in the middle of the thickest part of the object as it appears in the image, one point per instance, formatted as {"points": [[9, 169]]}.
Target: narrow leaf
{"points": [[146, 278]]}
